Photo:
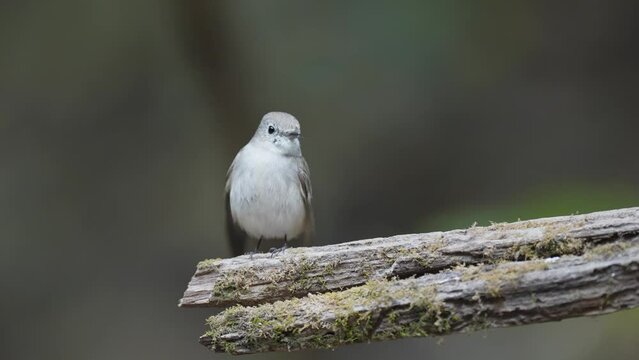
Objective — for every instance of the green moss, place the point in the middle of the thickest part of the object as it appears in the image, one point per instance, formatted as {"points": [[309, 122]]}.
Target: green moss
{"points": [[556, 242], [351, 319], [479, 322], [417, 254], [607, 250], [233, 284], [329, 269], [298, 275], [421, 256], [208, 264], [495, 278], [366, 270], [302, 275]]}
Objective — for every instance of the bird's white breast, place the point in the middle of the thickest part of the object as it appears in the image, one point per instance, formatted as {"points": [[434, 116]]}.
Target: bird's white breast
{"points": [[265, 195]]}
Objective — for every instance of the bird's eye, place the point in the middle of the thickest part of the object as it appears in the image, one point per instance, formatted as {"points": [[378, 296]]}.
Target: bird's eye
{"points": [[271, 129]]}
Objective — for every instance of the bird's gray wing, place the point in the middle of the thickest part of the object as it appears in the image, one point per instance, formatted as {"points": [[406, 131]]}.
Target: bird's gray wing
{"points": [[306, 189], [236, 236]]}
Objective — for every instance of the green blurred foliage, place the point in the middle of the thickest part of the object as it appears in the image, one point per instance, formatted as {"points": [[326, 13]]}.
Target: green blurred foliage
{"points": [[547, 201]]}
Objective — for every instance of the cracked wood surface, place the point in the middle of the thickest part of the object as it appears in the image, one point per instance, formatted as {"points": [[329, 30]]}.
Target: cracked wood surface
{"points": [[604, 279], [297, 272]]}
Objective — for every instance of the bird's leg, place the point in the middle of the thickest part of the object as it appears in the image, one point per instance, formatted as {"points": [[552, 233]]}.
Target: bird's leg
{"points": [[257, 248]]}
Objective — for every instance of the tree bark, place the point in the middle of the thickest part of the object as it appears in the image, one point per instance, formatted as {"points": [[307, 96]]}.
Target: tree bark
{"points": [[263, 278], [603, 279]]}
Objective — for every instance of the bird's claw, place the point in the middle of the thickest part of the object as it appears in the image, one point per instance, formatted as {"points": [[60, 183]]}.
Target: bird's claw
{"points": [[274, 251]]}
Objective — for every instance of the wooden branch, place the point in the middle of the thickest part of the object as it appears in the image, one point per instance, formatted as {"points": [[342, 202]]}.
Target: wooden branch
{"points": [[602, 280], [299, 271]]}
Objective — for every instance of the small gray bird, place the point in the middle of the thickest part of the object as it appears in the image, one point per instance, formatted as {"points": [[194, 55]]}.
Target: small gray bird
{"points": [[268, 187]]}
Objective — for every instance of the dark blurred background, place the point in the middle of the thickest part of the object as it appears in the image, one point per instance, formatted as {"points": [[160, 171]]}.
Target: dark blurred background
{"points": [[119, 119]]}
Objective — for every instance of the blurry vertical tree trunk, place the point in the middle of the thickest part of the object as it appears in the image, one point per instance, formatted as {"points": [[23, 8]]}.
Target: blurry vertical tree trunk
{"points": [[209, 47]]}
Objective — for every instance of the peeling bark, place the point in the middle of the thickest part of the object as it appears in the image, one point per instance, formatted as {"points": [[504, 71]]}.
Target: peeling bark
{"points": [[297, 272], [603, 279]]}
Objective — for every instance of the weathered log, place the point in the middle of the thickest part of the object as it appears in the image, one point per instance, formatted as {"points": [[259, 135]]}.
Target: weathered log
{"points": [[603, 279], [296, 272]]}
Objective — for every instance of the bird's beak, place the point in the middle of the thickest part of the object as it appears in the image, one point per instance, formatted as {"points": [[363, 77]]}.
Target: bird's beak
{"points": [[293, 135]]}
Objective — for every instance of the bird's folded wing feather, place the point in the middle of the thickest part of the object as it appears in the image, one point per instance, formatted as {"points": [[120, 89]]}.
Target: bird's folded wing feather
{"points": [[307, 195], [236, 236]]}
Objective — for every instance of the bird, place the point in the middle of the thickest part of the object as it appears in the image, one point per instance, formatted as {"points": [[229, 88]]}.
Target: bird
{"points": [[268, 189]]}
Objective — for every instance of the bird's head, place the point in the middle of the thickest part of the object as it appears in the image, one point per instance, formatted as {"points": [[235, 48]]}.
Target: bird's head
{"points": [[279, 132]]}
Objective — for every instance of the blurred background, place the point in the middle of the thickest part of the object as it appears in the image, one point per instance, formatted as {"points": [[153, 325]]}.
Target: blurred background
{"points": [[119, 119]]}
